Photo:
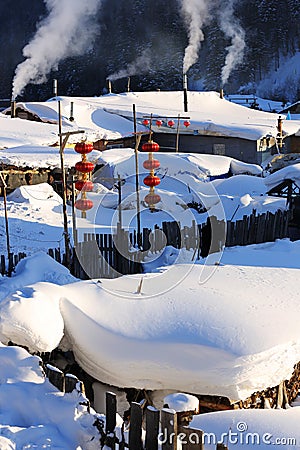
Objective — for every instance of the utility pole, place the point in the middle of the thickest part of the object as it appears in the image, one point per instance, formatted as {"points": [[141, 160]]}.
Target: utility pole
{"points": [[119, 184], [64, 188], [75, 240], [137, 188], [62, 145], [177, 134], [6, 216]]}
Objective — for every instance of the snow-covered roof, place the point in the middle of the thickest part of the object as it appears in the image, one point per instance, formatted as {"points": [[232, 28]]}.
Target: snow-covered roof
{"points": [[291, 172], [38, 156], [106, 116], [177, 165]]}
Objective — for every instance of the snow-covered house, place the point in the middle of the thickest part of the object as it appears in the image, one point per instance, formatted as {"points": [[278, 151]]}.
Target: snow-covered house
{"points": [[217, 126]]}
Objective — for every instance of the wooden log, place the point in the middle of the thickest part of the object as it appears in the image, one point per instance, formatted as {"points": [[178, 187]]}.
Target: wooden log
{"points": [[279, 401], [285, 400], [152, 428], [135, 431], [213, 406]]}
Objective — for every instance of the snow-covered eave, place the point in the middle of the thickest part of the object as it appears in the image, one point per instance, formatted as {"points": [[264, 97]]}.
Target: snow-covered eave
{"points": [[29, 108]]}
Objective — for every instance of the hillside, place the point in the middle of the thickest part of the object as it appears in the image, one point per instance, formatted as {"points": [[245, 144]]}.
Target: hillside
{"points": [[148, 40]]}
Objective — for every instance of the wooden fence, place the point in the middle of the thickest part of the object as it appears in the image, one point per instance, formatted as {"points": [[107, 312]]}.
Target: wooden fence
{"points": [[150, 429], [146, 428], [108, 256]]}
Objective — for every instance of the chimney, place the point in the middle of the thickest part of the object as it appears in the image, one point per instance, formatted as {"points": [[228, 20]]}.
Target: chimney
{"points": [[185, 100], [128, 84], [221, 93], [13, 108], [71, 118], [55, 87], [279, 128], [109, 85]]}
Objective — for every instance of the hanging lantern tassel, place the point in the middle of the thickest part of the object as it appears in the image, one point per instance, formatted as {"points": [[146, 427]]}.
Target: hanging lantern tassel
{"points": [[151, 180], [84, 185]]}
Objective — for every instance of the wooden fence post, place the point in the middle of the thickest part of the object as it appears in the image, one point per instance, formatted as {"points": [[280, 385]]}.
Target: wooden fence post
{"points": [[221, 446], [10, 264], [111, 411], [168, 429], [56, 377], [135, 431], [152, 428], [71, 383], [190, 438], [3, 265]]}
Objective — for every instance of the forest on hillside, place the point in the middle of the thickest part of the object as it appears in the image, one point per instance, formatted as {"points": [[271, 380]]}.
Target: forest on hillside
{"points": [[152, 37]]}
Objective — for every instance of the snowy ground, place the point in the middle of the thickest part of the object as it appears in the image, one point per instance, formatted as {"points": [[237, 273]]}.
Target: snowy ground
{"points": [[34, 414]]}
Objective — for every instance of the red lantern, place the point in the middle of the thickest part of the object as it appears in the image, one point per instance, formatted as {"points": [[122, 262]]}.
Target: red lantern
{"points": [[84, 166], [152, 198], [186, 123], [84, 204], [151, 164], [83, 148], [145, 122], [86, 186], [171, 123], [159, 123], [151, 180], [150, 147]]}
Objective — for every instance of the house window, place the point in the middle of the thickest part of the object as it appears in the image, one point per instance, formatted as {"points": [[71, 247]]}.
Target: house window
{"points": [[219, 149]]}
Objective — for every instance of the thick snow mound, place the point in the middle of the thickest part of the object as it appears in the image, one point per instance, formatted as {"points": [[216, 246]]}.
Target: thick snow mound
{"points": [[34, 414], [180, 166], [182, 402], [36, 193], [35, 268], [287, 173], [23, 307], [223, 332], [17, 365], [257, 429], [240, 185]]}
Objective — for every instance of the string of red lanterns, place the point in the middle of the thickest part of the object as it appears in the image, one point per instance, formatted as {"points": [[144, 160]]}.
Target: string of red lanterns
{"points": [[151, 180], [84, 185], [170, 123]]}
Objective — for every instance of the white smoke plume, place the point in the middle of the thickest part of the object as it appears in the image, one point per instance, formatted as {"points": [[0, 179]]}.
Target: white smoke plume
{"points": [[195, 14], [67, 31], [142, 64], [232, 29]]}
